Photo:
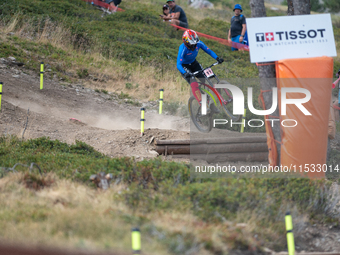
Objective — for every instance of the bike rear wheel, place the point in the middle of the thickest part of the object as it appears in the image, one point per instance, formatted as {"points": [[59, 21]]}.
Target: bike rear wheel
{"points": [[228, 107], [202, 122]]}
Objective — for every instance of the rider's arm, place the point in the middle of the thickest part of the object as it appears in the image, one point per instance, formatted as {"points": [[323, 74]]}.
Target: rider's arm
{"points": [[207, 50], [180, 59]]}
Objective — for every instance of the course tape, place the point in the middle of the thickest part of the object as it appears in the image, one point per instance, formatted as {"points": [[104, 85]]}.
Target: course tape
{"points": [[103, 4], [334, 83], [336, 107], [239, 46]]}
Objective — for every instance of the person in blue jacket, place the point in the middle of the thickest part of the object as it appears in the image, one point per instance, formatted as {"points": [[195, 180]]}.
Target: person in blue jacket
{"points": [[186, 59]]}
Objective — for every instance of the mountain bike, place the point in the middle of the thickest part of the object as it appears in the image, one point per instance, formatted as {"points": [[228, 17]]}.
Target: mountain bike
{"points": [[204, 122]]}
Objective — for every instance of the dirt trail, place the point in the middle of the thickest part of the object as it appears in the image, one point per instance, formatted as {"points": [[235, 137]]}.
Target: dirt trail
{"points": [[110, 125], [107, 123]]}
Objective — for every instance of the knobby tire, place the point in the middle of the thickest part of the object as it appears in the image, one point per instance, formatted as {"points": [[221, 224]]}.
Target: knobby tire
{"points": [[203, 123]]}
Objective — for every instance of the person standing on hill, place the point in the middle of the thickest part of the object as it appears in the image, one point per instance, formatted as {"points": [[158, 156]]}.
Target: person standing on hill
{"points": [[166, 13], [238, 27], [178, 16], [114, 4]]}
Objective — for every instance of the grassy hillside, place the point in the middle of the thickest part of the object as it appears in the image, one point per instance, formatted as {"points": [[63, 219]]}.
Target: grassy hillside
{"points": [[133, 52], [133, 47], [176, 214]]}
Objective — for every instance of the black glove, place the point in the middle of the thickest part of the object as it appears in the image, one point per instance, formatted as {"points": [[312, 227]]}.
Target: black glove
{"points": [[187, 75], [220, 60]]}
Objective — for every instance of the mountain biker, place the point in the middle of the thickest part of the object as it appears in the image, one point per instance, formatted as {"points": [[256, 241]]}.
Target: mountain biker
{"points": [[187, 63]]}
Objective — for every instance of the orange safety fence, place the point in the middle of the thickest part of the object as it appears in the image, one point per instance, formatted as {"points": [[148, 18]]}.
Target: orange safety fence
{"points": [[104, 5], [305, 145], [239, 46]]}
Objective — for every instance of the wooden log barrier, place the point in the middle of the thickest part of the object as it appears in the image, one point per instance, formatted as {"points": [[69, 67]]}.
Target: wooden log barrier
{"points": [[243, 139], [218, 149], [233, 157], [212, 148]]}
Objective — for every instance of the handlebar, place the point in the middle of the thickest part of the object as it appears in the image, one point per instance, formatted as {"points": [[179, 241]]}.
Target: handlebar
{"points": [[200, 71]]}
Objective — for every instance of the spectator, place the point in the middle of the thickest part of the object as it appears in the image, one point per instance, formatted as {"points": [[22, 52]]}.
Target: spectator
{"points": [[166, 12], [238, 27], [114, 4], [178, 15]]}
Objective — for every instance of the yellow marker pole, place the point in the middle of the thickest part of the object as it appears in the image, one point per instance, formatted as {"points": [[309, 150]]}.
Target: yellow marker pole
{"points": [[136, 241], [41, 75], [142, 121], [0, 94], [243, 120], [290, 235], [161, 100]]}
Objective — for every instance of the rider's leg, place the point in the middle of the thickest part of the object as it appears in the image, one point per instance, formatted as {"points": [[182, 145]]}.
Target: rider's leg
{"points": [[197, 67], [196, 92], [192, 82], [194, 67]]}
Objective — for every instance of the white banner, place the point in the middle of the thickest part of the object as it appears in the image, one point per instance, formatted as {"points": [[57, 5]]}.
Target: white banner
{"points": [[287, 37]]}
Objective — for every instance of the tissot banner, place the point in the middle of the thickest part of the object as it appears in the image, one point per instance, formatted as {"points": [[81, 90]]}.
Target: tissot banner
{"points": [[287, 37]]}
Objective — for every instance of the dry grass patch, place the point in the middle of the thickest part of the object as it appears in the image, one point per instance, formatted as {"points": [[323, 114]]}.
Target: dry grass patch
{"points": [[67, 215], [111, 74]]}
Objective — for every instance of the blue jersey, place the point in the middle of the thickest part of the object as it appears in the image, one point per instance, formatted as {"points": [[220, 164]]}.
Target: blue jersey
{"points": [[186, 56]]}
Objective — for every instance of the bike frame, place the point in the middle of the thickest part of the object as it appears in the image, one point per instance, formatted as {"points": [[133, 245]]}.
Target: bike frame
{"points": [[211, 86]]}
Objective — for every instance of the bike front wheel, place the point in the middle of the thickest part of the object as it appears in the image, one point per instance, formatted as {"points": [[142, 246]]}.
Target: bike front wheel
{"points": [[202, 122], [228, 105]]}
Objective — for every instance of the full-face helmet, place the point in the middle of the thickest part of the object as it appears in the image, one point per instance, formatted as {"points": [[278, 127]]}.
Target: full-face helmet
{"points": [[190, 39]]}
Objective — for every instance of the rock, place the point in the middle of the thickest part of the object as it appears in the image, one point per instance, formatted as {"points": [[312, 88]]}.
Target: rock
{"points": [[265, 249], [18, 63], [155, 153], [15, 76], [11, 33], [11, 58], [241, 225], [49, 70], [199, 4]]}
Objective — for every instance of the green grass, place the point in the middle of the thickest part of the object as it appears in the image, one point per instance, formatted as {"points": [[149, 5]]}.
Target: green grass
{"points": [[163, 188]]}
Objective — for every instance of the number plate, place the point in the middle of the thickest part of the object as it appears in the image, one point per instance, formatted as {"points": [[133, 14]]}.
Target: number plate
{"points": [[208, 72]]}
